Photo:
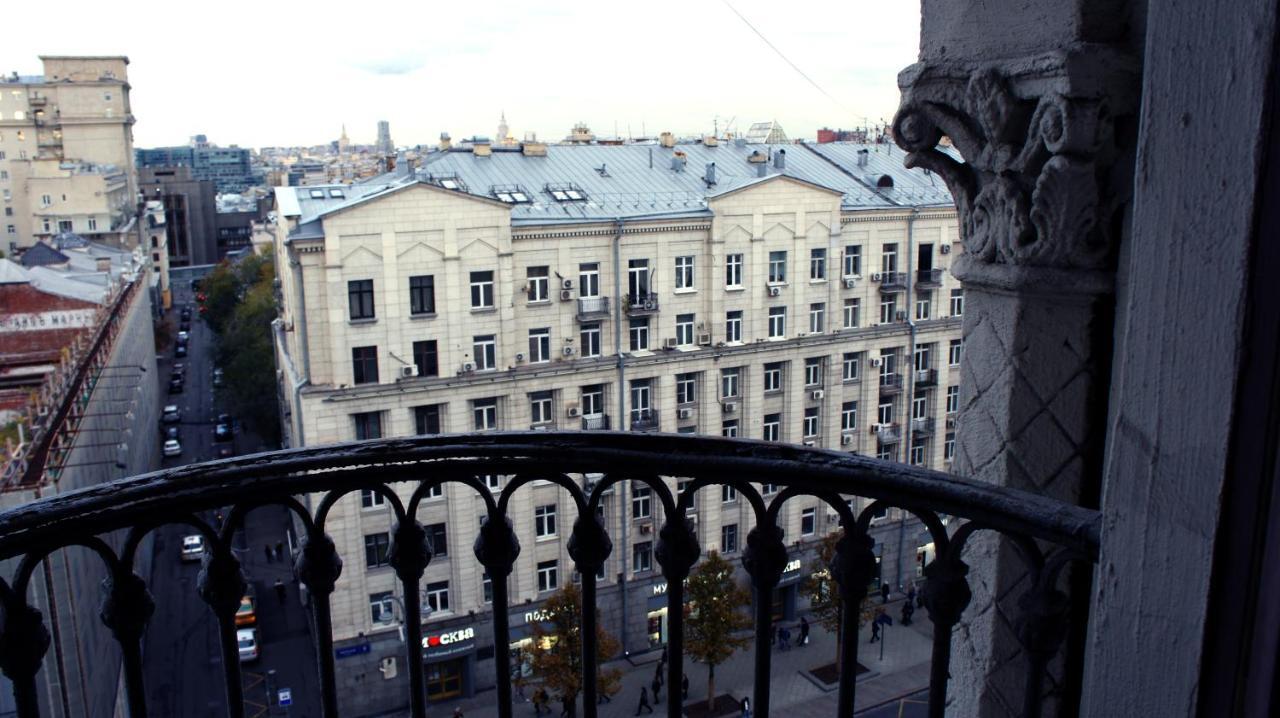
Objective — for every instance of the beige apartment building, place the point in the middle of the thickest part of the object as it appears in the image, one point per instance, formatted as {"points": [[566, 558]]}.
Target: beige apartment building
{"points": [[790, 293], [66, 152]]}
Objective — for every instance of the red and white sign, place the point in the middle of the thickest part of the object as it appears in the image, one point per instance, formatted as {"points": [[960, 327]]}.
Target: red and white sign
{"points": [[448, 638]]}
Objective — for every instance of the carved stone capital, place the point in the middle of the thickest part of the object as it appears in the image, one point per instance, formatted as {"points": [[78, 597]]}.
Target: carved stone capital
{"points": [[1042, 183]]}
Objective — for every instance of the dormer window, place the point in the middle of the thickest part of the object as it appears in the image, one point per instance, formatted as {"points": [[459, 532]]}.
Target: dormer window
{"points": [[566, 193], [451, 181], [317, 194], [336, 193], [511, 194]]}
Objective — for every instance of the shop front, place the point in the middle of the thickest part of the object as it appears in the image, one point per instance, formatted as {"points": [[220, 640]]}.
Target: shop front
{"points": [[784, 596], [656, 615], [449, 658], [521, 629], [924, 552]]}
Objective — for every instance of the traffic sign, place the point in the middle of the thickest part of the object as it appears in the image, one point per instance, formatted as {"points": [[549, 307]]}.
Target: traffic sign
{"points": [[284, 697]]}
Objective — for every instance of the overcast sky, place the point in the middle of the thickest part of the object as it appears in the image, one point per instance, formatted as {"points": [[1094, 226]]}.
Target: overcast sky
{"points": [[288, 73]]}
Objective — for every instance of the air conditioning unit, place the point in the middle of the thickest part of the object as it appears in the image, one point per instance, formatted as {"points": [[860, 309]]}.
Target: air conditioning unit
{"points": [[646, 528], [775, 291], [945, 249], [846, 439], [650, 305], [566, 295], [876, 276], [519, 357], [730, 407], [567, 351], [468, 367], [850, 282], [573, 412], [951, 422], [684, 413], [832, 517], [408, 372], [704, 340], [810, 443], [817, 395], [566, 284], [876, 361], [669, 343]]}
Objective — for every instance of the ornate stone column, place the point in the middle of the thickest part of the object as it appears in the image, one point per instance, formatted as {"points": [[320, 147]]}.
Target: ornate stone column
{"points": [[1042, 194]]}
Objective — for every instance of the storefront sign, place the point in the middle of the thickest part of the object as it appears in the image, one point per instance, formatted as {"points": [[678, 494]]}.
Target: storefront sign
{"points": [[660, 589], [449, 638], [349, 651], [792, 565], [538, 616]]}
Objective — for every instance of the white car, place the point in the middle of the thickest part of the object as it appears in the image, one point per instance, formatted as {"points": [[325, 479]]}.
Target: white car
{"points": [[183, 336], [192, 547], [247, 640], [172, 414], [172, 448]]}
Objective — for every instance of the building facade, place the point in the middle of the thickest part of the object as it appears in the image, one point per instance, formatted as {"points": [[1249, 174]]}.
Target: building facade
{"points": [[190, 209], [777, 294], [66, 151], [384, 145], [230, 169]]}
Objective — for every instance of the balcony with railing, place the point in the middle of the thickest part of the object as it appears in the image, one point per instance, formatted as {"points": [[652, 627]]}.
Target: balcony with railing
{"points": [[592, 308], [887, 433], [642, 303], [644, 419], [890, 384], [928, 278], [598, 422], [890, 281], [922, 426], [926, 377], [113, 520]]}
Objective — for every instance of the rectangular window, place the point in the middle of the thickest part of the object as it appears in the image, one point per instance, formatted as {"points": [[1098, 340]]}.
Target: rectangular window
{"points": [[425, 358], [924, 306], [852, 313], [888, 365], [485, 414], [889, 258], [887, 452], [778, 267], [590, 339], [729, 538], [849, 416], [641, 501], [485, 350], [593, 400], [537, 281], [482, 290], [957, 302], [810, 427], [422, 294], [435, 492], [852, 366], [733, 270], [808, 521], [817, 317], [375, 549], [917, 454], [772, 427], [540, 407], [641, 396], [438, 596], [729, 429], [684, 330], [686, 388], [953, 353], [919, 407], [773, 377], [813, 371], [540, 345], [953, 399], [371, 499], [486, 587], [852, 260], [364, 365], [360, 298], [93, 224], [642, 557], [885, 413], [923, 357], [544, 521], [949, 447], [767, 489], [548, 575], [639, 333], [638, 280], [777, 322], [729, 386], [382, 607], [438, 536], [888, 308], [45, 200], [589, 280], [426, 419], [728, 494], [684, 272], [733, 326], [493, 481], [817, 264]]}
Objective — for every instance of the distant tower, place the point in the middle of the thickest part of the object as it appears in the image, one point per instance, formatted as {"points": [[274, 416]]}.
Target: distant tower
{"points": [[504, 133], [343, 142], [385, 146]]}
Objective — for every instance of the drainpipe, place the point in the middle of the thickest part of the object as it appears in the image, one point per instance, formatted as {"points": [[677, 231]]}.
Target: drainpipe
{"points": [[300, 326], [622, 393], [911, 357]]}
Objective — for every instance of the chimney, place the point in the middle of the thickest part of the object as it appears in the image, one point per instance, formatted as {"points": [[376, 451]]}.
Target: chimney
{"points": [[533, 148], [739, 142], [104, 264], [445, 142], [862, 157], [757, 157], [710, 176], [678, 161], [480, 147], [711, 141], [780, 160], [410, 169], [762, 169], [666, 139]]}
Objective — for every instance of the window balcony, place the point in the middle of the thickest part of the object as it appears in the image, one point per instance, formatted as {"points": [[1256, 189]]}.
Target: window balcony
{"points": [[646, 303], [890, 281], [592, 308], [644, 420], [926, 377], [887, 433], [114, 519], [599, 422], [922, 426], [928, 278], [890, 384]]}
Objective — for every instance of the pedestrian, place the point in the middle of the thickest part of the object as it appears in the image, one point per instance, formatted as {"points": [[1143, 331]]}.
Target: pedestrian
{"points": [[279, 550], [884, 593], [267, 549], [911, 593], [539, 701], [657, 674], [656, 685], [875, 630], [281, 592], [457, 712], [684, 687], [804, 631], [908, 609], [746, 707], [644, 701]]}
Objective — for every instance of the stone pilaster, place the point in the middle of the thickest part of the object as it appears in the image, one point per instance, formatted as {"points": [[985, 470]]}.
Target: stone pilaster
{"points": [[1042, 192]]}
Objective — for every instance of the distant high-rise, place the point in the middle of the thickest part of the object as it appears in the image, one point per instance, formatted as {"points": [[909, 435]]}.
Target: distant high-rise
{"points": [[385, 145], [343, 142]]}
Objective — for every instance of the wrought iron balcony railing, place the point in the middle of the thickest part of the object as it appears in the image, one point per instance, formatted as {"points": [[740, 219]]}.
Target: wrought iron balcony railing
{"points": [[599, 422], [642, 303], [644, 420], [890, 281], [926, 377], [890, 383], [1048, 534], [928, 278], [592, 307]]}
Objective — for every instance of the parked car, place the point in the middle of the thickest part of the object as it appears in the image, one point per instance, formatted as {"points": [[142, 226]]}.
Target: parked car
{"points": [[175, 386], [171, 432], [185, 326], [183, 336], [192, 547], [247, 640], [172, 447], [185, 314], [222, 432], [180, 351], [245, 615], [172, 414]]}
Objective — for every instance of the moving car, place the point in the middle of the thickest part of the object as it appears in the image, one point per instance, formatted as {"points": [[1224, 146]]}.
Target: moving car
{"points": [[172, 447], [247, 640], [245, 615], [192, 547], [172, 414]]}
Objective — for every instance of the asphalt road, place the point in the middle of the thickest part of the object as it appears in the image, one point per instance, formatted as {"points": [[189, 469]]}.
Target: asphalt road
{"points": [[184, 673]]}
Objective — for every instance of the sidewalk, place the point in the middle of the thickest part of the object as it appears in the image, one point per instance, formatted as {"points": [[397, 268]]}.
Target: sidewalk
{"points": [[904, 669]]}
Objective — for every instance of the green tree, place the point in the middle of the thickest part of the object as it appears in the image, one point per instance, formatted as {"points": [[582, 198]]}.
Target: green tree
{"points": [[556, 653], [240, 302], [713, 617], [824, 594]]}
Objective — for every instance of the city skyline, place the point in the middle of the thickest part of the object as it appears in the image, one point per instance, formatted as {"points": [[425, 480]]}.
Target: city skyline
{"points": [[676, 68]]}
